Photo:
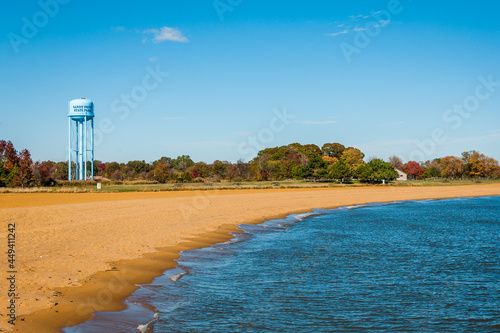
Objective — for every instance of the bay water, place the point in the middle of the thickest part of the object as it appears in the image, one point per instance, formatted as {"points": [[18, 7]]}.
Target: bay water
{"points": [[412, 266]]}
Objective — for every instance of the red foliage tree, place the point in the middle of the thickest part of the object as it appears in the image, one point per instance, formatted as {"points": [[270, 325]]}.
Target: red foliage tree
{"points": [[25, 174], [413, 169], [8, 154]]}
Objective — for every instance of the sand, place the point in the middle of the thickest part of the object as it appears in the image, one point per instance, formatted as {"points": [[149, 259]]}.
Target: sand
{"points": [[84, 252]]}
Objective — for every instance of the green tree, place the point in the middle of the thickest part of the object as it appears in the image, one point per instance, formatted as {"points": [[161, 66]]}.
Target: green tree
{"points": [[376, 170], [340, 171], [219, 168], [139, 166], [382, 170], [363, 172], [182, 163]]}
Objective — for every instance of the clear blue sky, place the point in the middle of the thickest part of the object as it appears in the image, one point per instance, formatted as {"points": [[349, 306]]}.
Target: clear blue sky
{"points": [[383, 76]]}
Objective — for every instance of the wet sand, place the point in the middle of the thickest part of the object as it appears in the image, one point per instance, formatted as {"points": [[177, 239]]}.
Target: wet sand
{"points": [[79, 253]]}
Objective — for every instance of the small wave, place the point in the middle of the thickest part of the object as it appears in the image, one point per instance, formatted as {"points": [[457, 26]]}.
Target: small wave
{"points": [[147, 328], [175, 278], [231, 241], [355, 207], [300, 217]]}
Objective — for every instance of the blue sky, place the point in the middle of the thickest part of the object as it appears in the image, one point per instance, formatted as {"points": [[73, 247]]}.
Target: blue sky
{"points": [[222, 79]]}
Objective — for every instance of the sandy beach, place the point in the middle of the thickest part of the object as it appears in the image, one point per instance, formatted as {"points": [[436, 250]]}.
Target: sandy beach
{"points": [[85, 252]]}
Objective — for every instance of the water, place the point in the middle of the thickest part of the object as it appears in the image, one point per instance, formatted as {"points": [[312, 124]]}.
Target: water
{"points": [[423, 266]]}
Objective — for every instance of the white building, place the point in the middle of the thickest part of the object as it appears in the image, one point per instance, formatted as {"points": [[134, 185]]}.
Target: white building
{"points": [[402, 175]]}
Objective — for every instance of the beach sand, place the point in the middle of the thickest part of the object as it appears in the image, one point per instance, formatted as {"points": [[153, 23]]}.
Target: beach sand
{"points": [[85, 252]]}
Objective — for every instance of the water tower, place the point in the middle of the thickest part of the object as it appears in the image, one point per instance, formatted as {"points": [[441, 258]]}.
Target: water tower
{"points": [[81, 139]]}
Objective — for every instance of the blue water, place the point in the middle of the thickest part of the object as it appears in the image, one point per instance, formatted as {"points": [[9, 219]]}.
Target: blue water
{"points": [[423, 266]]}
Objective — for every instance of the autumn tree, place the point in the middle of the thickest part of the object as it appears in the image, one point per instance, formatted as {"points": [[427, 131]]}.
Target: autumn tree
{"points": [[242, 169], [491, 167], [111, 168], [199, 169], [413, 169], [396, 162], [161, 173], [219, 169], [311, 150], [333, 150], [24, 174], [451, 167], [16, 168], [8, 154], [117, 175], [330, 160], [42, 173], [478, 165], [353, 157]]}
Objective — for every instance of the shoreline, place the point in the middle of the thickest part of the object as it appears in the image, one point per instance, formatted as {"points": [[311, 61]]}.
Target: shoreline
{"points": [[220, 213]]}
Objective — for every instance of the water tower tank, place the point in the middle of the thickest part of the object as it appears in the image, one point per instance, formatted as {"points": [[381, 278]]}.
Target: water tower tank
{"points": [[79, 108]]}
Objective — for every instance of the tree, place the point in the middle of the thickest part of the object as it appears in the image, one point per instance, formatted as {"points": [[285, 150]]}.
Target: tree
{"points": [[243, 169], [311, 150], [219, 168], [340, 170], [478, 165], [262, 175], [363, 172], [382, 170], [164, 160], [376, 170], [451, 167], [200, 169], [182, 163], [413, 169], [42, 173], [139, 166], [396, 162], [432, 169], [330, 160], [25, 174], [333, 150], [60, 171], [353, 157], [161, 173], [111, 168], [117, 175], [491, 167], [101, 169], [8, 154]]}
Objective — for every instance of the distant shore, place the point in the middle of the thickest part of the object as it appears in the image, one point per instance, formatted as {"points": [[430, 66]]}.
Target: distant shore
{"points": [[78, 253]]}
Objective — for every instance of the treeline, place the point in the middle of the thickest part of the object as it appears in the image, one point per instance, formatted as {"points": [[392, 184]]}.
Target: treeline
{"points": [[471, 164], [333, 161]]}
